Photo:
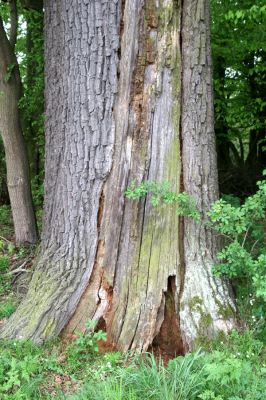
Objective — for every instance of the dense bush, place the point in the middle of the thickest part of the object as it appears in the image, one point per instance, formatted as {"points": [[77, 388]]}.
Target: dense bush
{"points": [[243, 257]]}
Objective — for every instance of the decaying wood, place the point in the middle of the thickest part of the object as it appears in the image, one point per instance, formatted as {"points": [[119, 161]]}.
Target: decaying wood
{"points": [[114, 101]]}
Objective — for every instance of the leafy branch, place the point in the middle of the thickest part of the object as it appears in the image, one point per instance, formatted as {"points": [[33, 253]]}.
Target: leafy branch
{"points": [[161, 193]]}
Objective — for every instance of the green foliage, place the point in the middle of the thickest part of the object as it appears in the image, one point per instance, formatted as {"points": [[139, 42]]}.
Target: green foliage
{"points": [[243, 258], [242, 344], [37, 192], [234, 368], [237, 103], [161, 193], [239, 58], [85, 346], [255, 12], [30, 48], [20, 364], [27, 370], [4, 262], [230, 377], [6, 224], [7, 308], [4, 11], [9, 72]]}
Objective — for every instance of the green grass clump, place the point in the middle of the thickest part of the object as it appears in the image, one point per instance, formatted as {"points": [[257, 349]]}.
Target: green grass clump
{"points": [[7, 308], [148, 379]]}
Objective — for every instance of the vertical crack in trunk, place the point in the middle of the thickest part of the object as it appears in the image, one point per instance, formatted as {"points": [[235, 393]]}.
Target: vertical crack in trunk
{"points": [[122, 23], [168, 342], [99, 291], [100, 210], [149, 251], [182, 271]]}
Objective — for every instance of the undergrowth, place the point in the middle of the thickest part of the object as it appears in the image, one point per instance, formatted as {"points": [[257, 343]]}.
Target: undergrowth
{"points": [[232, 368]]}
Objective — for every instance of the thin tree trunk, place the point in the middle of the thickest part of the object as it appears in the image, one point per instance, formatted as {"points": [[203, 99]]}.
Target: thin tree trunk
{"points": [[18, 179], [113, 95]]}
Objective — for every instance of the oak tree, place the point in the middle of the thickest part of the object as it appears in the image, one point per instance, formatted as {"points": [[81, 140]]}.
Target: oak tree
{"points": [[128, 97]]}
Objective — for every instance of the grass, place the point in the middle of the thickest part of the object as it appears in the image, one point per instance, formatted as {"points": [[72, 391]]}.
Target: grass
{"points": [[233, 370], [147, 378], [7, 308]]}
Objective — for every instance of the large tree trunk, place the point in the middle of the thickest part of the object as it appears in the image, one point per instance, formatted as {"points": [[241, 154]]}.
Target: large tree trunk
{"points": [[18, 180], [113, 95]]}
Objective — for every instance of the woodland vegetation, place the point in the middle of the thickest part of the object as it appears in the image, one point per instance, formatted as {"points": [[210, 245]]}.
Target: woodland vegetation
{"points": [[132, 199]]}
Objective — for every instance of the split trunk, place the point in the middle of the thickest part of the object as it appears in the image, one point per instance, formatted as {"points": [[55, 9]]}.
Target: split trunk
{"points": [[128, 97]]}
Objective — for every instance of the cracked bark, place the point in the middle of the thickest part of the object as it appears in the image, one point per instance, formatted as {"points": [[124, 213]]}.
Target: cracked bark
{"points": [[113, 95]]}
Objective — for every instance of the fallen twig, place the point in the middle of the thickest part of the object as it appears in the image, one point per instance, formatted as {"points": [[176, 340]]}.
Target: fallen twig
{"points": [[19, 269], [6, 240]]}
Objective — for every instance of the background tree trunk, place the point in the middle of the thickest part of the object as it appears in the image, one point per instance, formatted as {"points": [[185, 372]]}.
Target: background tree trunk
{"points": [[113, 114], [18, 179]]}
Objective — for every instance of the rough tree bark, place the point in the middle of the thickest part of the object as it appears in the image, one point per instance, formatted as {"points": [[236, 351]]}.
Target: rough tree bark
{"points": [[114, 96], [18, 180]]}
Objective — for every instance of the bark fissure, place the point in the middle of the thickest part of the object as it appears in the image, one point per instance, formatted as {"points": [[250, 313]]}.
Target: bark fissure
{"points": [[124, 262]]}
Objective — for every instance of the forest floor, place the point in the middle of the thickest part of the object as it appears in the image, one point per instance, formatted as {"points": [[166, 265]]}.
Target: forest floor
{"points": [[227, 368]]}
